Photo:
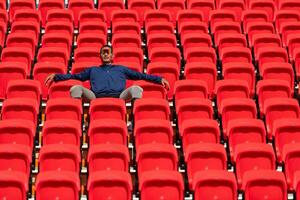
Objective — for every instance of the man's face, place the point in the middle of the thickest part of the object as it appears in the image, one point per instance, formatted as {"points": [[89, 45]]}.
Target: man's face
{"points": [[106, 55]]}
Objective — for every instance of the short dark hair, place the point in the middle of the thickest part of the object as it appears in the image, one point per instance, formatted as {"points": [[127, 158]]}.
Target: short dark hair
{"points": [[106, 45]]}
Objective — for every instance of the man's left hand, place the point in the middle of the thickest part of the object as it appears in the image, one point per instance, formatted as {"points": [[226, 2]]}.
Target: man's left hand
{"points": [[165, 83]]}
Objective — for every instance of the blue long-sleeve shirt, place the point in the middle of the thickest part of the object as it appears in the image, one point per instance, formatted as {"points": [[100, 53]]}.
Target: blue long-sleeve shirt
{"points": [[108, 80]]}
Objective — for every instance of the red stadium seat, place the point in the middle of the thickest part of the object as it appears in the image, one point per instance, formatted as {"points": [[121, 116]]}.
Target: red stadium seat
{"points": [[53, 54], [14, 185], [4, 16], [90, 40], [46, 5], [237, 108], [189, 15], [254, 28], [192, 27], [107, 131], [236, 54], [24, 89], [279, 108], [287, 29], [59, 41], [93, 27], [243, 131], [240, 71], [63, 15], [282, 16], [196, 131], [249, 16], [18, 5], [221, 28], [204, 71], [153, 131], [152, 90], [20, 108], [87, 54], [190, 40], [161, 184], [53, 184], [61, 131], [220, 15], [17, 131], [11, 71], [126, 40], [64, 108], [161, 40], [141, 7], [174, 6], [271, 55], [108, 157], [230, 40], [58, 27], [109, 184], [76, 6], [62, 89], [22, 40], [107, 108], [159, 15], [205, 6], [126, 27], [124, 15], [265, 40], [253, 156], [288, 5], [266, 5], [204, 156], [200, 54], [91, 15], [205, 183], [290, 157], [165, 54], [57, 157], [267, 183], [272, 88], [27, 15], [157, 27], [26, 27], [108, 6], [235, 5], [129, 55]]}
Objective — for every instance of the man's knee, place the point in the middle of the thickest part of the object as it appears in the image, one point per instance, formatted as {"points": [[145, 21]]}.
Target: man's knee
{"points": [[76, 91], [136, 91]]}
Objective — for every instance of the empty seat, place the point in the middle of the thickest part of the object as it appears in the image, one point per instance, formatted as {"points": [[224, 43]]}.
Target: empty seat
{"points": [[76, 6], [156, 157], [189, 15], [241, 131], [130, 55], [296, 58], [290, 157], [161, 40], [11, 71], [58, 41], [108, 157], [58, 27], [286, 131], [264, 183], [87, 54], [279, 108], [24, 89], [152, 90], [14, 185], [230, 40], [288, 5], [126, 27], [20, 108], [203, 5], [63, 15], [196, 131], [161, 184], [226, 89], [108, 6], [17, 131], [192, 27], [61, 131], [93, 27], [16, 158], [159, 15], [109, 184], [64, 108], [273, 54], [235, 54], [235, 5], [282, 16], [272, 88], [26, 27], [157, 27], [195, 40], [91, 15], [18, 5], [203, 71], [62, 89], [259, 27], [204, 156], [53, 184], [200, 54], [288, 28], [42, 70], [165, 54], [189, 89], [107, 108], [126, 40], [168, 70], [267, 6], [141, 7], [124, 15], [265, 40], [173, 6], [153, 131], [107, 131], [205, 183], [3, 5], [249, 16], [253, 156], [57, 157], [240, 71], [279, 71], [46, 5], [221, 28], [151, 109], [193, 108], [293, 43], [16, 54], [90, 40], [22, 40], [220, 15], [237, 108], [27, 15], [53, 54]]}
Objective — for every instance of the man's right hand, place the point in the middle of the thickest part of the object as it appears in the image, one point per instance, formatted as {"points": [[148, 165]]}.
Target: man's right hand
{"points": [[49, 80]]}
